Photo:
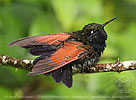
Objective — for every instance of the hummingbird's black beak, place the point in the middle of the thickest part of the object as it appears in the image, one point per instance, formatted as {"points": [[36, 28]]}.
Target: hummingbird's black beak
{"points": [[108, 22]]}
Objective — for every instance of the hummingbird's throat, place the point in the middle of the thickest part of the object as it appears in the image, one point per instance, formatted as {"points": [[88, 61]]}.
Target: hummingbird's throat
{"points": [[97, 39]]}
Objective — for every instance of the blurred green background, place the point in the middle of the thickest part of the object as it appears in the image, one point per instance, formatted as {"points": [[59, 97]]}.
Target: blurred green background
{"points": [[21, 18]]}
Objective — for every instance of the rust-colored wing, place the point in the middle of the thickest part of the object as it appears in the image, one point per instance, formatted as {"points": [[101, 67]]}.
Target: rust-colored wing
{"points": [[51, 39], [66, 54]]}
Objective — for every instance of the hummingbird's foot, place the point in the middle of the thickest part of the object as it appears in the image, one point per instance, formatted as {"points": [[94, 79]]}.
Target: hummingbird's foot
{"points": [[118, 66]]}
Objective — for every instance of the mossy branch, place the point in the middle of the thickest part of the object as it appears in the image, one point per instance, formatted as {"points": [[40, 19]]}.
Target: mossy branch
{"points": [[111, 67]]}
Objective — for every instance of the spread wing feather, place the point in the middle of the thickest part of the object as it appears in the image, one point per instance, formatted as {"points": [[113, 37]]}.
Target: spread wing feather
{"points": [[66, 54], [42, 50], [51, 39]]}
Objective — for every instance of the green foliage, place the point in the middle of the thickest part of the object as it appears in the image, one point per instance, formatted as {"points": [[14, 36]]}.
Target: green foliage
{"points": [[20, 18]]}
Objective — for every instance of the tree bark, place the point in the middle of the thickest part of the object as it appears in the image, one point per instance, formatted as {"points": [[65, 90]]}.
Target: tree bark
{"points": [[110, 67]]}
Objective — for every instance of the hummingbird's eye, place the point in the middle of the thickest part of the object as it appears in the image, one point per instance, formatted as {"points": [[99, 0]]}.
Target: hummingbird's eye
{"points": [[92, 31]]}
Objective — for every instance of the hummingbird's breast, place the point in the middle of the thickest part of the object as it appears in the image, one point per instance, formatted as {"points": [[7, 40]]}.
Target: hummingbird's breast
{"points": [[90, 60]]}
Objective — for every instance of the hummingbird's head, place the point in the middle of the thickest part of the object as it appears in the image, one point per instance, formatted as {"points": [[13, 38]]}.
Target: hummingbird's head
{"points": [[95, 35]]}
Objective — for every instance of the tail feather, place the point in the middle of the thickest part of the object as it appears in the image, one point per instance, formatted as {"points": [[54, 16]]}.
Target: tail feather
{"points": [[57, 75], [67, 76]]}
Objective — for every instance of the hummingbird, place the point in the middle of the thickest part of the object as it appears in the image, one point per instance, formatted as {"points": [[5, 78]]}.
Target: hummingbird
{"points": [[59, 52]]}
